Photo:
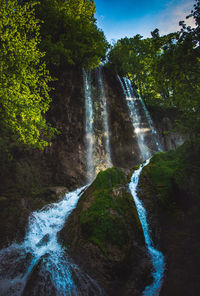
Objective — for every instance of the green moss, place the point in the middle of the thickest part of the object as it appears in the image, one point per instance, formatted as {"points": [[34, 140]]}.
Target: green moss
{"points": [[103, 222], [99, 225], [109, 178], [169, 172]]}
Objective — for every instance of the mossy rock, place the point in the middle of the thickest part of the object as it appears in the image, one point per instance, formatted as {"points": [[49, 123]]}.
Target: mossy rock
{"points": [[109, 179], [106, 210], [172, 172], [169, 188], [104, 235]]}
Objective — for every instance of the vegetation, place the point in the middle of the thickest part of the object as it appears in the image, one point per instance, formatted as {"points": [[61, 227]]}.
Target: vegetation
{"points": [[70, 34], [172, 175], [67, 32], [165, 69], [169, 188], [24, 79], [108, 218]]}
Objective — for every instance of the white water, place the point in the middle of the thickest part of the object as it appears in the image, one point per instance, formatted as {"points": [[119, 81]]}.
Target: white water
{"points": [[98, 154], [156, 256], [105, 117], [56, 271], [135, 106], [89, 129], [148, 117], [59, 276]]}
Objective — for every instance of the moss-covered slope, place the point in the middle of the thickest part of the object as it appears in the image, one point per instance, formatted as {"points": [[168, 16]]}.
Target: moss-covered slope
{"points": [[170, 189], [104, 236]]}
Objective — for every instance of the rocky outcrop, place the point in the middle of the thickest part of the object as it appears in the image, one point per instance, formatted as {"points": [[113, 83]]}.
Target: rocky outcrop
{"points": [[103, 236], [28, 177], [26, 173], [165, 122], [16, 209], [169, 187], [124, 147]]}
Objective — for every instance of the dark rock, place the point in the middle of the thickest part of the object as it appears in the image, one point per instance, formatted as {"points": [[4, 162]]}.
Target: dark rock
{"points": [[103, 236], [170, 189], [43, 241], [124, 147], [39, 281], [170, 134]]}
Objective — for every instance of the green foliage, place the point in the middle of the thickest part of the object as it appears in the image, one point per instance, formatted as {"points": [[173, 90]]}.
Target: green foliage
{"points": [[24, 90], [172, 172], [165, 70], [109, 178], [105, 221], [69, 33]]}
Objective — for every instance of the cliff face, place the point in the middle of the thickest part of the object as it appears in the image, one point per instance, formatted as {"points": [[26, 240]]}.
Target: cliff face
{"points": [[169, 189], [124, 147], [33, 178], [165, 123], [26, 179]]}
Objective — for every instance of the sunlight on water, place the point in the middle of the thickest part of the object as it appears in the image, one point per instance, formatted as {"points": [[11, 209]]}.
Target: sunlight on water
{"points": [[134, 111], [89, 122], [105, 116], [136, 105]]}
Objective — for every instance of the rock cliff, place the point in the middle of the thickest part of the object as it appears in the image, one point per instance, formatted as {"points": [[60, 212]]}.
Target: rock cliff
{"points": [[170, 190]]}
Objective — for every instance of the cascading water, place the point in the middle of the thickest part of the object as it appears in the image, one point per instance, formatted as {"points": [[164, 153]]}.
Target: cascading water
{"points": [[135, 114], [89, 129], [150, 122], [39, 265], [105, 116], [143, 126], [156, 256], [41, 259], [98, 153]]}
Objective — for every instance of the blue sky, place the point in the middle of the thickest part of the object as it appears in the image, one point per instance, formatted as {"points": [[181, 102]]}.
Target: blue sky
{"points": [[130, 17]]}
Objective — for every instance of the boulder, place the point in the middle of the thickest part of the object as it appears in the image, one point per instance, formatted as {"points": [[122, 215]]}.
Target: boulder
{"points": [[104, 237]]}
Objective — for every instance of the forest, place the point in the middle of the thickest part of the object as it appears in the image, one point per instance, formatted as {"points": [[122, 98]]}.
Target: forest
{"points": [[37, 39], [119, 121]]}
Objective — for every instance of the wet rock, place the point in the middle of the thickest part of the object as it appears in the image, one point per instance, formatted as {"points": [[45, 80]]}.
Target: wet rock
{"points": [[103, 235], [43, 241], [169, 187], [39, 281], [165, 119]]}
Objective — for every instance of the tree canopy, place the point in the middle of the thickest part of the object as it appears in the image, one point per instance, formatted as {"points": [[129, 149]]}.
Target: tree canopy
{"points": [[24, 90], [165, 69], [70, 34], [34, 34]]}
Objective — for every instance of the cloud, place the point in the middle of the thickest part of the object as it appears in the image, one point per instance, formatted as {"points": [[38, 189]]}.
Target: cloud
{"points": [[168, 20]]}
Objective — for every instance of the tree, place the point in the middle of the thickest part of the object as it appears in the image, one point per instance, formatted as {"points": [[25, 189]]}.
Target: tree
{"points": [[70, 34], [24, 90], [166, 69]]}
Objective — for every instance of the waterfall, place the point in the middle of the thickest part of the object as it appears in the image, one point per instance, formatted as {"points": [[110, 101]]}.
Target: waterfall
{"points": [[42, 256], [105, 116], [156, 256], [98, 154], [148, 117], [148, 143], [40, 265], [89, 129], [142, 123]]}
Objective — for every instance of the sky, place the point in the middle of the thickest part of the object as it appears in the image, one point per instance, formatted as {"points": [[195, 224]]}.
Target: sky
{"points": [[120, 18]]}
